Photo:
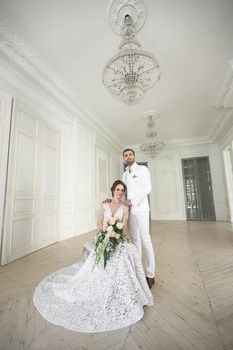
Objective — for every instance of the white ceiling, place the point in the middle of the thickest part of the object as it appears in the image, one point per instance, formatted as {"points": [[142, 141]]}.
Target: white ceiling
{"points": [[191, 38]]}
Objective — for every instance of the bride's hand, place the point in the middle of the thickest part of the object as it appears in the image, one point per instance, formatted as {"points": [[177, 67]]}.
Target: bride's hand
{"points": [[107, 200]]}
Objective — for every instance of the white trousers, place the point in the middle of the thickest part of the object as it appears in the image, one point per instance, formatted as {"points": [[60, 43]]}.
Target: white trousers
{"points": [[140, 235]]}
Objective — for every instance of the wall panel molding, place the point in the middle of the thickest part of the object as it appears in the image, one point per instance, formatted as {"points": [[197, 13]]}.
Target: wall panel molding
{"points": [[5, 123], [84, 181], [32, 192]]}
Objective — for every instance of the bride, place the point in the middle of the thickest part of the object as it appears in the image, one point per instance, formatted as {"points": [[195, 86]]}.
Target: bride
{"points": [[91, 297]]}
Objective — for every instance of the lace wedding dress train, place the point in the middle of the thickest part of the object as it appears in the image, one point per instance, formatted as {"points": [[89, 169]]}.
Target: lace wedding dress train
{"points": [[86, 297]]}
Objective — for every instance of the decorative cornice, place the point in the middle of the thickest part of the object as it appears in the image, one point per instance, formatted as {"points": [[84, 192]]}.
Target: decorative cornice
{"points": [[224, 97], [222, 125], [16, 48], [224, 102], [197, 141], [33, 65], [226, 141], [223, 130]]}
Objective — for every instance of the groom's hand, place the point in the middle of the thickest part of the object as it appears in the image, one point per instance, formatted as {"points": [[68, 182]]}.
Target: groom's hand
{"points": [[128, 202]]}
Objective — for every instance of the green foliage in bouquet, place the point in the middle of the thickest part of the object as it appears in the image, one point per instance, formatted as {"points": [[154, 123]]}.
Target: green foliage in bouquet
{"points": [[107, 240]]}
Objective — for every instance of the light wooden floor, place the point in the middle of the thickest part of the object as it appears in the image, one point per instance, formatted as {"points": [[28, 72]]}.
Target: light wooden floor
{"points": [[193, 295]]}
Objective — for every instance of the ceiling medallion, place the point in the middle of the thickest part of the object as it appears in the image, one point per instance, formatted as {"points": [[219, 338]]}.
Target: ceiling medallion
{"points": [[131, 72], [118, 9]]}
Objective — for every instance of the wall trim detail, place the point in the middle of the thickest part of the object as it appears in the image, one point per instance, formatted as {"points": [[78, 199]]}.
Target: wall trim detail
{"points": [[224, 97], [21, 55]]}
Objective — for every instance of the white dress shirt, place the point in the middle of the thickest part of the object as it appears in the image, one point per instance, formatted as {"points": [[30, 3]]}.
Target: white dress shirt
{"points": [[138, 187]]}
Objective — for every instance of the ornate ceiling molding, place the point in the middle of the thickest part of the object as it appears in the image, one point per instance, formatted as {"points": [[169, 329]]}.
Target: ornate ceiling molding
{"points": [[222, 126], [224, 102], [18, 51], [29, 60], [118, 9], [226, 140], [224, 97]]}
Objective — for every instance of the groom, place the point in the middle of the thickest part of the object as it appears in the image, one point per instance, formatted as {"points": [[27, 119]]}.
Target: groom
{"points": [[137, 179]]}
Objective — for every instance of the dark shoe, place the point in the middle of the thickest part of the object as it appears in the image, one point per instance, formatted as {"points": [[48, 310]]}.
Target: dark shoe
{"points": [[150, 281]]}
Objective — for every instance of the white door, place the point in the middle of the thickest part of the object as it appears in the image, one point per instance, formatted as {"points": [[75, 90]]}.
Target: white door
{"points": [[31, 204], [48, 188], [5, 121]]}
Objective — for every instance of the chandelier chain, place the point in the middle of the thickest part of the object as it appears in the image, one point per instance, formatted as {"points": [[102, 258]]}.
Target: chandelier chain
{"points": [[151, 148]]}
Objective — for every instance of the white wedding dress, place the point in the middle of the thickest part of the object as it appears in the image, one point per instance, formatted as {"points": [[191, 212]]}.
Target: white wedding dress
{"points": [[88, 298]]}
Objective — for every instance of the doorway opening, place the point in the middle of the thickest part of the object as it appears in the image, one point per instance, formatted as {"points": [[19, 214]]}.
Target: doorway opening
{"points": [[199, 201], [228, 165]]}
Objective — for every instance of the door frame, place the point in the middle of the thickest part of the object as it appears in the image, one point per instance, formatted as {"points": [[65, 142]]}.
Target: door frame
{"points": [[198, 188]]}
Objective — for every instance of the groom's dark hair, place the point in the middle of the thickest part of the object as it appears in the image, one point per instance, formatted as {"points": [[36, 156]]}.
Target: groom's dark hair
{"points": [[128, 149]]}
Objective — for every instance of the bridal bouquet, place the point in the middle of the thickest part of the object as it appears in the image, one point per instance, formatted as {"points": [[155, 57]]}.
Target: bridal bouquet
{"points": [[107, 240]]}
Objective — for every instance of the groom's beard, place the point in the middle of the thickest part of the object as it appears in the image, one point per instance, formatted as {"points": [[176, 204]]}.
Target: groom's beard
{"points": [[129, 162]]}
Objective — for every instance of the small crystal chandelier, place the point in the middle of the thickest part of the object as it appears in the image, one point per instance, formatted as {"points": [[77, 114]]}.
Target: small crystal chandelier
{"points": [[132, 71], [151, 148]]}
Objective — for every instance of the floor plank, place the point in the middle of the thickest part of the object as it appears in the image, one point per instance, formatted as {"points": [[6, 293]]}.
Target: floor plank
{"points": [[193, 295]]}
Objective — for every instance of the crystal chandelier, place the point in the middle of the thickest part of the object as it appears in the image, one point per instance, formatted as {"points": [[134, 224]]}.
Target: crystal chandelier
{"points": [[131, 72], [152, 147]]}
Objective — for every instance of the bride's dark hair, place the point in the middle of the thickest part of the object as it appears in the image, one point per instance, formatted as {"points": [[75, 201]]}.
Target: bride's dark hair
{"points": [[118, 182]]}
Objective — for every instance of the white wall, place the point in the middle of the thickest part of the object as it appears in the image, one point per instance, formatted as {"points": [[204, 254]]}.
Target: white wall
{"points": [[5, 121], [87, 163], [107, 170], [167, 197], [226, 146]]}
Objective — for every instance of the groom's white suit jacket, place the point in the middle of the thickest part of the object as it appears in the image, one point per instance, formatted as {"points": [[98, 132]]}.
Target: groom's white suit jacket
{"points": [[138, 187]]}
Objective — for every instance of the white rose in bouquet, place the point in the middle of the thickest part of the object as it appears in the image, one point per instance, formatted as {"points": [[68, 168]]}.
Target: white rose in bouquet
{"points": [[105, 225], [109, 229], [119, 225]]}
